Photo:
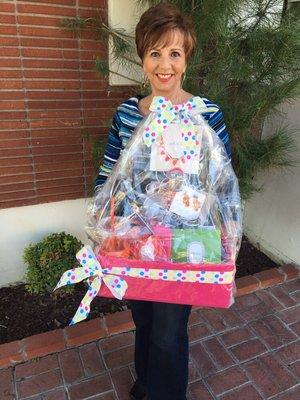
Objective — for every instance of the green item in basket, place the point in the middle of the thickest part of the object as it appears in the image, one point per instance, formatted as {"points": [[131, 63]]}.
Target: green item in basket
{"points": [[196, 245]]}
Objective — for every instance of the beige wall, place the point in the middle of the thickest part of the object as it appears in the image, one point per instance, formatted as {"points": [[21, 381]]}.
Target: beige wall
{"points": [[124, 14], [272, 217], [21, 226]]}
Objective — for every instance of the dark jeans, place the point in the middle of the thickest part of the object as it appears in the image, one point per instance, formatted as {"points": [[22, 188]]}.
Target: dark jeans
{"points": [[161, 348]]}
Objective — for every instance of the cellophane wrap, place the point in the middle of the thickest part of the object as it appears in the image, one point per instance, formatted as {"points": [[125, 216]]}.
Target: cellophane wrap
{"points": [[169, 214]]}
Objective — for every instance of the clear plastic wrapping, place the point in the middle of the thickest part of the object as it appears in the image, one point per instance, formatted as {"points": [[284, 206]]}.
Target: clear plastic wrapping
{"points": [[172, 200]]}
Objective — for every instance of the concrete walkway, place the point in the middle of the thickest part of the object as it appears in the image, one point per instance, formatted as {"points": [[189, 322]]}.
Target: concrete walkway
{"points": [[249, 352]]}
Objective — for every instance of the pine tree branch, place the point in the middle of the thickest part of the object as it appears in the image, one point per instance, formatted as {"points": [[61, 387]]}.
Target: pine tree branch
{"points": [[261, 15], [132, 61], [123, 36], [284, 9]]}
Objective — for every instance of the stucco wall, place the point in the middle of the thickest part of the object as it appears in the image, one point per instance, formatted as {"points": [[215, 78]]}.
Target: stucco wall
{"points": [[272, 216], [23, 225]]}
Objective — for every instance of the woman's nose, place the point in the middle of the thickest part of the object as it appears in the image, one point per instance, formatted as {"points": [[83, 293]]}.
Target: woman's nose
{"points": [[164, 63]]}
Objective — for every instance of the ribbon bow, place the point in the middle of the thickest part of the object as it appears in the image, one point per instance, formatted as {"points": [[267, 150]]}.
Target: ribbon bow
{"points": [[91, 268], [166, 113]]}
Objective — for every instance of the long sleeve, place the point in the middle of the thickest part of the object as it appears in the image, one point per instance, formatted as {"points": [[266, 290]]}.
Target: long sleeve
{"points": [[216, 121], [111, 153], [228, 187]]}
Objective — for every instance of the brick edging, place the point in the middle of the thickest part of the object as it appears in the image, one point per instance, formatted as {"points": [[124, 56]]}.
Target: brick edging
{"points": [[60, 339]]}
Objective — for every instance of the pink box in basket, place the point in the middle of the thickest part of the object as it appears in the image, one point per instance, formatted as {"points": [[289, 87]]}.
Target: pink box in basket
{"points": [[208, 288]]}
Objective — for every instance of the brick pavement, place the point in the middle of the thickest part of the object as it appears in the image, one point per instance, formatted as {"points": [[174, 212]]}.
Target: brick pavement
{"points": [[250, 352]]}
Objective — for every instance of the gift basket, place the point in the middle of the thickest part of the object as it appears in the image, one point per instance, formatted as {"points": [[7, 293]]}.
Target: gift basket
{"points": [[166, 225]]}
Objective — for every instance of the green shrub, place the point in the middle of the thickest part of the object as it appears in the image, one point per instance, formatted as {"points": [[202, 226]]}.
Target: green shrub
{"points": [[47, 260]]}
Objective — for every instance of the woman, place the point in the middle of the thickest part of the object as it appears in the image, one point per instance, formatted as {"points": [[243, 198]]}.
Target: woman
{"points": [[165, 41]]}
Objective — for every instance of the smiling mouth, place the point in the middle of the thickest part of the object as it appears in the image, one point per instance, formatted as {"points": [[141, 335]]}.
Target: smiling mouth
{"points": [[164, 77]]}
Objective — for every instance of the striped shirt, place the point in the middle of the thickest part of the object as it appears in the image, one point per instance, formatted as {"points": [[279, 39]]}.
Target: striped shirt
{"points": [[128, 116]]}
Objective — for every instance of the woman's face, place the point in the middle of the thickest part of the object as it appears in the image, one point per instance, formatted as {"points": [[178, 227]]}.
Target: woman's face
{"points": [[165, 65]]}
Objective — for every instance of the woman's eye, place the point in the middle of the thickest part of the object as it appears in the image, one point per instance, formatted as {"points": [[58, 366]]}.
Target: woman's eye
{"points": [[175, 54], [154, 54]]}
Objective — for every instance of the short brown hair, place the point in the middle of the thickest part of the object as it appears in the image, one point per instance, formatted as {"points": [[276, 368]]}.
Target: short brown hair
{"points": [[159, 20]]}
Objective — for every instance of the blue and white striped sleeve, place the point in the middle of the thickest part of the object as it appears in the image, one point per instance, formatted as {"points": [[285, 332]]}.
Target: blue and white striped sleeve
{"points": [[111, 153], [216, 121]]}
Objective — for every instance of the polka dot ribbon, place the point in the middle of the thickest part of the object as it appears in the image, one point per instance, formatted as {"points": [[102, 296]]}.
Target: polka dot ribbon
{"points": [[166, 113], [178, 275], [91, 269]]}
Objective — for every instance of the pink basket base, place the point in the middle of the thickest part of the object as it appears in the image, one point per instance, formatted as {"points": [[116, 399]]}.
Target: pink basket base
{"points": [[177, 292], [197, 294]]}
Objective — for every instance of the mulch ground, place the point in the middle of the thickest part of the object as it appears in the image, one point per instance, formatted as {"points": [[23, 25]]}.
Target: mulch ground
{"points": [[23, 314]]}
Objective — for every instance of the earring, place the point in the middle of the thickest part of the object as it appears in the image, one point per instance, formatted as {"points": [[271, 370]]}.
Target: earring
{"points": [[145, 81], [183, 77]]}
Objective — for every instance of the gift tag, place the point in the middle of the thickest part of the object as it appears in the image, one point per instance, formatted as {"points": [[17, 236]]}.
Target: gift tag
{"points": [[188, 203], [178, 148], [172, 141]]}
